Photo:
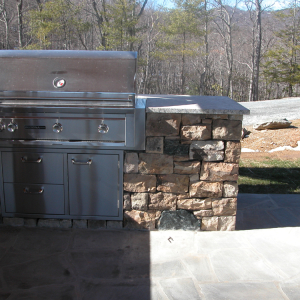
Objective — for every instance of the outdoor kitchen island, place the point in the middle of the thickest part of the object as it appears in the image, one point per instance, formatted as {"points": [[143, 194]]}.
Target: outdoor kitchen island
{"points": [[187, 176], [183, 177], [79, 148]]}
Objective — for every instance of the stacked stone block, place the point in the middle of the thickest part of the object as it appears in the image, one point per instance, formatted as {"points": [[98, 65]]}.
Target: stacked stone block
{"points": [[190, 163]]}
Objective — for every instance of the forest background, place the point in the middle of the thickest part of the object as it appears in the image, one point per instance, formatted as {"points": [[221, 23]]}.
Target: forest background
{"points": [[193, 47]]}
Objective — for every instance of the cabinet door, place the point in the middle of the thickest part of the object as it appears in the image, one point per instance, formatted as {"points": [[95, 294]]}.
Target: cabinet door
{"points": [[94, 185]]}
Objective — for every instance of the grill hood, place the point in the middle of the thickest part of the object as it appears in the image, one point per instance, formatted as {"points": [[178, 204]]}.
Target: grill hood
{"points": [[67, 74]]}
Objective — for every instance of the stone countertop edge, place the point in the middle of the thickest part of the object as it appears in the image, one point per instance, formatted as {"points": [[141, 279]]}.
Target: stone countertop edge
{"points": [[193, 105]]}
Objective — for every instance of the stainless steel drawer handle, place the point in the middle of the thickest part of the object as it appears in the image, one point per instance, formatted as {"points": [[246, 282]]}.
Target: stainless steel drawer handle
{"points": [[36, 192], [24, 159], [89, 162]]}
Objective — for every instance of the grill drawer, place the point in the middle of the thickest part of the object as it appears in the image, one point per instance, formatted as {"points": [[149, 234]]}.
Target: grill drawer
{"points": [[34, 198], [32, 167]]}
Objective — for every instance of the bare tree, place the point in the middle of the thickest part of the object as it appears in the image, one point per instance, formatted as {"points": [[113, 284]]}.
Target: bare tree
{"points": [[204, 73], [151, 34], [254, 8], [224, 26], [6, 17], [20, 22]]}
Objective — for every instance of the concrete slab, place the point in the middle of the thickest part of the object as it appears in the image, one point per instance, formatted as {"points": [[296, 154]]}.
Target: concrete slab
{"points": [[292, 291], [46, 293], [255, 219], [180, 289], [267, 211], [241, 264], [169, 269], [280, 249], [101, 263], [171, 245], [262, 205], [245, 200], [46, 271], [293, 280], [295, 211], [7, 239], [201, 268], [292, 200], [245, 291], [232, 239], [284, 216], [43, 263], [92, 289]]}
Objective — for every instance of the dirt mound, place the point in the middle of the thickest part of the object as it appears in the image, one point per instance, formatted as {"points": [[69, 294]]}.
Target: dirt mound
{"points": [[267, 140]]}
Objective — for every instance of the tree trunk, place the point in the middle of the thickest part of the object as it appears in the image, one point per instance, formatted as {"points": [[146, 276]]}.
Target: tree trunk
{"points": [[5, 19], [257, 37], [39, 4], [99, 23], [20, 22], [204, 74], [182, 66], [290, 90]]}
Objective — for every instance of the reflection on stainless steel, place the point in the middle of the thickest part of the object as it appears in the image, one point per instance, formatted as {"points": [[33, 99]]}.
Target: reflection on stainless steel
{"points": [[103, 128], [24, 159], [57, 127], [85, 71], [74, 162], [12, 127], [36, 192], [47, 98], [59, 112]]}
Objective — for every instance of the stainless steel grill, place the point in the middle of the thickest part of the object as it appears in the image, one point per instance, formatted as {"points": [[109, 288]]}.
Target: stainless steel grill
{"points": [[71, 113], [87, 97]]}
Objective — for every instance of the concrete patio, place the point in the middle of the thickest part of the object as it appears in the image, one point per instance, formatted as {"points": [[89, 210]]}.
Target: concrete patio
{"points": [[260, 260]]}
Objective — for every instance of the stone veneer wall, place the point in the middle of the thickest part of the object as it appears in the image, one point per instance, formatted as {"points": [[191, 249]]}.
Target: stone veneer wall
{"points": [[189, 171]]}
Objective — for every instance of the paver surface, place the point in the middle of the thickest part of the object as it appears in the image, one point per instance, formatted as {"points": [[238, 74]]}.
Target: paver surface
{"points": [[260, 260]]}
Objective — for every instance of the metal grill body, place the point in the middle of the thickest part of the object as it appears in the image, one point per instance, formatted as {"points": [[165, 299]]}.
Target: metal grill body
{"points": [[66, 119]]}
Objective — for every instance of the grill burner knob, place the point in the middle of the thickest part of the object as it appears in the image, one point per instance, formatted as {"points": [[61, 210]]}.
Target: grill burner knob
{"points": [[57, 127], [11, 127], [103, 128], [2, 126]]}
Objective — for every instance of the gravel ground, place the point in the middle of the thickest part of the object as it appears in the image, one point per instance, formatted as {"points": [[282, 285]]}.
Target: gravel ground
{"points": [[261, 111], [269, 140]]}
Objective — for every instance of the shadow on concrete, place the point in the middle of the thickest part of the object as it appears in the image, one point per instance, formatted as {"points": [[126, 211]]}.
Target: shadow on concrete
{"points": [[257, 211], [74, 264]]}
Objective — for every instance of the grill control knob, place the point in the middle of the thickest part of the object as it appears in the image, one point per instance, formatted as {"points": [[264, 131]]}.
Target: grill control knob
{"points": [[12, 127], [57, 127], [2, 126], [103, 128]]}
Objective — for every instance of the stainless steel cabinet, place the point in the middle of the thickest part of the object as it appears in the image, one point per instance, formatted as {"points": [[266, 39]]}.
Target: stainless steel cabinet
{"points": [[94, 184], [63, 183]]}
